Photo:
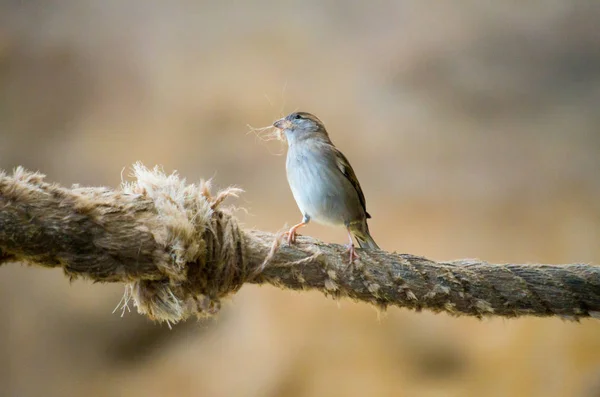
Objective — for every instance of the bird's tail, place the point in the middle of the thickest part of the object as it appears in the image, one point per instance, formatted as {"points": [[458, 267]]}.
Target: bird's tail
{"points": [[363, 237]]}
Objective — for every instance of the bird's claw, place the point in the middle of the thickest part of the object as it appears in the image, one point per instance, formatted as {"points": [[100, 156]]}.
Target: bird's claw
{"points": [[353, 255], [291, 234], [291, 237]]}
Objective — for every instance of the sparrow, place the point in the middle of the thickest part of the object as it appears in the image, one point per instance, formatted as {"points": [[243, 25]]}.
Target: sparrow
{"points": [[322, 181]]}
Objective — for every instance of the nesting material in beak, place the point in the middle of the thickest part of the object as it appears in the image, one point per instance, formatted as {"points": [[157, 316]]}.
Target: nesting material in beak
{"points": [[282, 124]]}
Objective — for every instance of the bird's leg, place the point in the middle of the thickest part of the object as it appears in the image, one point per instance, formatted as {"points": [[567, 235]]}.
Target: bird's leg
{"points": [[351, 250], [291, 234]]}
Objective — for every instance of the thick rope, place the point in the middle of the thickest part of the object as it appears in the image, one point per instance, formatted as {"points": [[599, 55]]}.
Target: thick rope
{"points": [[464, 287], [179, 254]]}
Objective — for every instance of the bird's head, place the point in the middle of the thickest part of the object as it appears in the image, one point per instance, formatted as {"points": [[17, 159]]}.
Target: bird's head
{"points": [[298, 126]]}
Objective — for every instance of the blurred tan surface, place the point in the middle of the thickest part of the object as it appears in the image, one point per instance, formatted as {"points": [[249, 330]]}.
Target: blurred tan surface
{"points": [[474, 128]]}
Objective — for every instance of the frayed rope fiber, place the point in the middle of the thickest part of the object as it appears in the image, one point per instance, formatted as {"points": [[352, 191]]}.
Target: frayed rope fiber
{"points": [[206, 261], [179, 252], [188, 255]]}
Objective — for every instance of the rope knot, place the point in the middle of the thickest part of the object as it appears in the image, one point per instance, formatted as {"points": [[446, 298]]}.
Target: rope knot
{"points": [[207, 253]]}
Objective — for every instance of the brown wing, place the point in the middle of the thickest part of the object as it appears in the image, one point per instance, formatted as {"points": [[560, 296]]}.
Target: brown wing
{"points": [[346, 169]]}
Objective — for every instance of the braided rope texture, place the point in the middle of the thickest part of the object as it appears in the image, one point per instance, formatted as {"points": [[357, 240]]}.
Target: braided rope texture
{"points": [[179, 253]]}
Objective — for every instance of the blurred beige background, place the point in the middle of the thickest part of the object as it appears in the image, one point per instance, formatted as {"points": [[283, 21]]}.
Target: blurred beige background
{"points": [[474, 128]]}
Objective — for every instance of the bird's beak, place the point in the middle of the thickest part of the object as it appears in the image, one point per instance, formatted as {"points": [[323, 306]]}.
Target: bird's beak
{"points": [[282, 124]]}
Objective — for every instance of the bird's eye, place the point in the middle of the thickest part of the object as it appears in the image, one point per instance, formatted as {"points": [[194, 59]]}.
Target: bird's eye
{"points": [[297, 117]]}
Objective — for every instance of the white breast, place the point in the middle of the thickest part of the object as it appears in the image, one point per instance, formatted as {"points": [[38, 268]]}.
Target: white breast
{"points": [[321, 191]]}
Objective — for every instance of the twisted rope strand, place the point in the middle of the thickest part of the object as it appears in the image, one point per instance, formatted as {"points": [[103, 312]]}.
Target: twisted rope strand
{"points": [[179, 253]]}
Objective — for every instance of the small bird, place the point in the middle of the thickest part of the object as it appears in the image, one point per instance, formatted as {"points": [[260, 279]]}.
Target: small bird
{"points": [[322, 180]]}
